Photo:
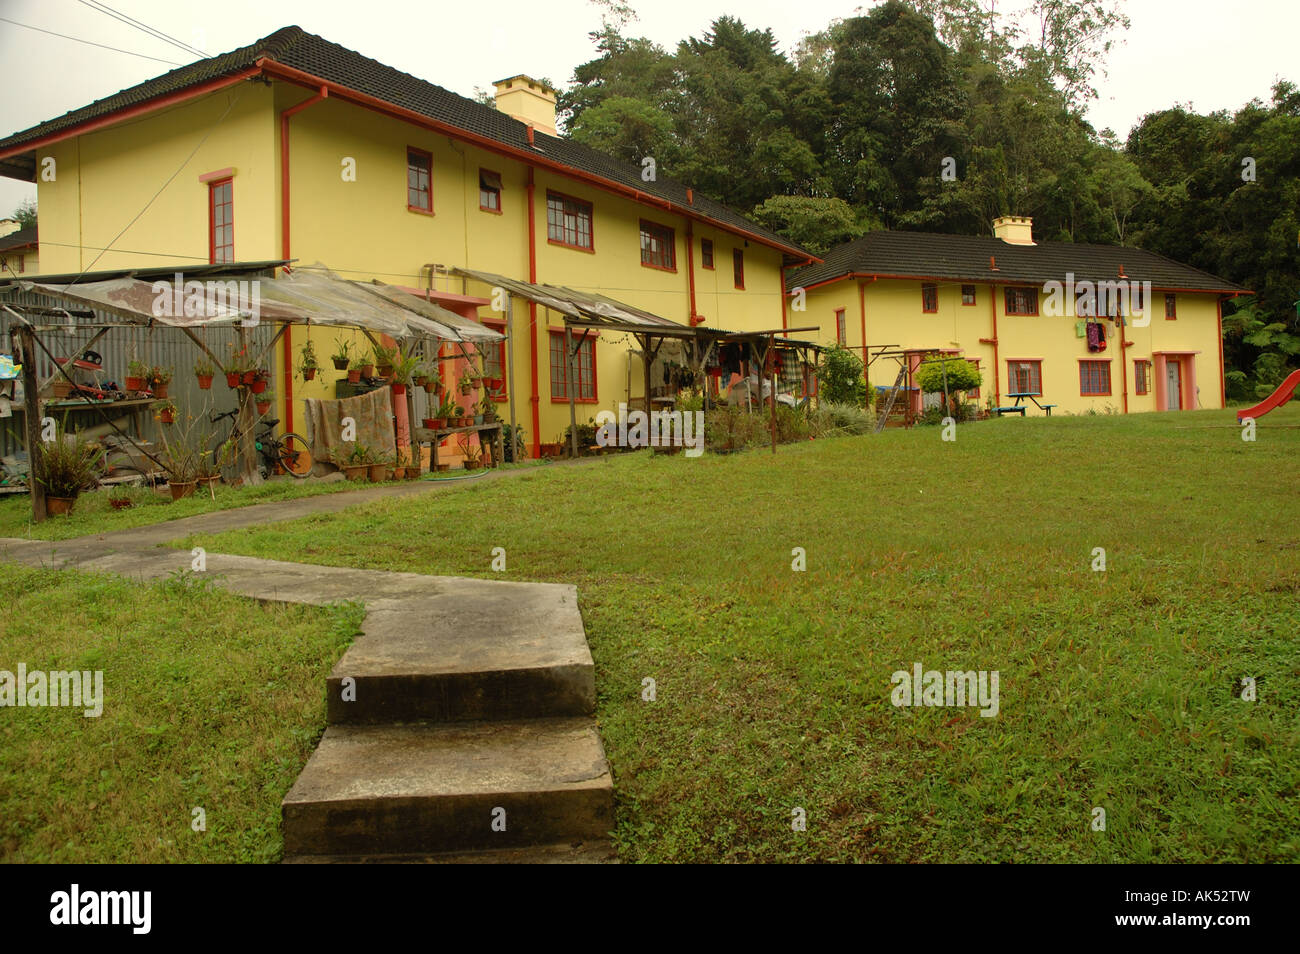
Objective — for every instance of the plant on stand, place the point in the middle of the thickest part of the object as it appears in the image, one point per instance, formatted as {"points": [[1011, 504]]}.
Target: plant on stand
{"points": [[404, 371], [385, 358], [308, 363], [136, 374]]}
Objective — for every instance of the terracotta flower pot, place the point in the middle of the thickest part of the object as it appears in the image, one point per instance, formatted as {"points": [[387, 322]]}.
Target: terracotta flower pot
{"points": [[378, 472], [205, 382], [399, 473], [263, 407], [258, 385], [308, 374], [354, 376], [367, 370], [340, 364], [182, 488], [355, 471], [205, 482], [430, 423], [430, 386], [439, 423], [167, 417], [232, 379], [385, 370], [248, 377], [134, 384], [399, 390], [443, 467], [160, 390], [59, 505]]}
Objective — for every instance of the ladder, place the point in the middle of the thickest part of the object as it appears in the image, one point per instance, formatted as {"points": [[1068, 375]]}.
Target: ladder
{"points": [[890, 397]]}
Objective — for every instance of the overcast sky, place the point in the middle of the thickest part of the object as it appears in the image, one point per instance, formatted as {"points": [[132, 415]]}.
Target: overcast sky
{"points": [[1210, 54]]}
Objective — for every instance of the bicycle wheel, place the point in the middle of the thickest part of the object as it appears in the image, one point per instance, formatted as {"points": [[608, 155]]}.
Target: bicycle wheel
{"points": [[295, 455]]}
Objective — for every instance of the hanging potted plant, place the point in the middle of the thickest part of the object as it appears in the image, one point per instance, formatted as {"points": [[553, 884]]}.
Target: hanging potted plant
{"points": [[263, 405], [342, 355], [403, 371], [165, 413], [308, 363], [159, 378], [431, 381], [204, 370], [260, 378], [384, 360], [136, 372], [64, 467]]}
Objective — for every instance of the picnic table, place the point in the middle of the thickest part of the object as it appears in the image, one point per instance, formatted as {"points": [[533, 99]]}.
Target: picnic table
{"points": [[1020, 407]]}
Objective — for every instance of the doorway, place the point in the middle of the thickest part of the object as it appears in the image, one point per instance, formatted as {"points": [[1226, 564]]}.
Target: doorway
{"points": [[1174, 384]]}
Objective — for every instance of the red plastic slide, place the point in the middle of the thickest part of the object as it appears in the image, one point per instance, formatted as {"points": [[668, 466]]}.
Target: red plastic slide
{"points": [[1274, 400]]}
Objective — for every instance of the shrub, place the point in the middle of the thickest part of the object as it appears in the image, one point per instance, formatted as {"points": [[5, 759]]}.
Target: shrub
{"points": [[840, 420], [840, 378], [67, 465], [961, 375]]}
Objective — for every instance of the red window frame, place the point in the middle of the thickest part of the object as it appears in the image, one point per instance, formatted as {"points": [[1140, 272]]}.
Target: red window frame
{"points": [[840, 327], [586, 362], [419, 164], [1094, 374], [652, 232], [501, 393], [974, 392], [559, 209], [1021, 296], [1141, 376], [929, 298], [1033, 367], [1171, 306], [738, 268], [489, 192], [706, 253], [221, 234], [968, 296]]}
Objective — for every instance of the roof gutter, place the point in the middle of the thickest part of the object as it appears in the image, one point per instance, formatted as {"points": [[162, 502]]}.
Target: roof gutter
{"points": [[270, 67], [985, 280]]}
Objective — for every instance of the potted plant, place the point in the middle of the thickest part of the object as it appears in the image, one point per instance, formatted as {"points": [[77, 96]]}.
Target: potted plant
{"points": [[473, 452], [307, 361], [260, 378], [365, 362], [119, 498], [159, 378], [458, 415], [404, 371], [352, 461], [342, 355], [136, 372], [401, 463], [65, 466], [489, 410], [165, 413], [204, 370], [385, 358], [431, 379], [378, 466], [354, 373], [263, 405]]}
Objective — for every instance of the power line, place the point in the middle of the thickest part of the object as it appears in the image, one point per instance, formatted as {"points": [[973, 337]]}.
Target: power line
{"points": [[102, 46], [143, 27]]}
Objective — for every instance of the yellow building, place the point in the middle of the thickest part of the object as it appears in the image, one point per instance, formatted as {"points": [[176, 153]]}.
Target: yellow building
{"points": [[19, 253], [295, 148], [1077, 327]]}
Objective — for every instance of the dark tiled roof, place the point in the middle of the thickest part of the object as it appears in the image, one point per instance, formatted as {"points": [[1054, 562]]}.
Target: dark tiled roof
{"points": [[27, 236], [294, 47], [928, 255]]}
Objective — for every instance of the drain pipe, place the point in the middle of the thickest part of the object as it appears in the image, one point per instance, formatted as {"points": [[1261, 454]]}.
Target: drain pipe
{"points": [[535, 398], [285, 245]]}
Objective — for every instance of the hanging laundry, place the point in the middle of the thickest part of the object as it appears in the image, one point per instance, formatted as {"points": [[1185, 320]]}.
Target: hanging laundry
{"points": [[1096, 336]]}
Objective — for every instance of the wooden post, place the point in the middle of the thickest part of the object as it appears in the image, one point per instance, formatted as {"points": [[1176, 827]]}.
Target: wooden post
{"points": [[509, 370], [771, 356], [573, 391], [32, 424], [247, 421]]}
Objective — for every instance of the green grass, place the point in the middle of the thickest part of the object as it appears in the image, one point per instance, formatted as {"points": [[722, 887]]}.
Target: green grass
{"points": [[1118, 689], [210, 701]]}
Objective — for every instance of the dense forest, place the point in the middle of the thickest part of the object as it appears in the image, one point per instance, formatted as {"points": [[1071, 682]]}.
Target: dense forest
{"points": [[940, 115]]}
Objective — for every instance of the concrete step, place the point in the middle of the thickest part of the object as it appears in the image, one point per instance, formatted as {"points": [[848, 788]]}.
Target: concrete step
{"points": [[581, 853], [478, 650], [430, 788]]}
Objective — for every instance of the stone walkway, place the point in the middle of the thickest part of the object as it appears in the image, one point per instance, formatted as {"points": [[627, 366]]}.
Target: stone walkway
{"points": [[461, 720]]}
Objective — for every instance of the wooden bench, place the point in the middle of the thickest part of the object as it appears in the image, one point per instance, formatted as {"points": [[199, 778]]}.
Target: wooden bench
{"points": [[1012, 409], [1047, 408]]}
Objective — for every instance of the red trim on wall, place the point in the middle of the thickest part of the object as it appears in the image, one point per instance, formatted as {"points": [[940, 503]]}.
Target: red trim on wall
{"points": [[1223, 388], [226, 173], [997, 365], [694, 318]]}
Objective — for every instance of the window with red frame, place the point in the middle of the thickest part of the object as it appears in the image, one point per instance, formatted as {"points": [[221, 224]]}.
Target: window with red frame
{"points": [[738, 268], [1025, 377], [1141, 377], [419, 176], [489, 190], [221, 221], [494, 360], [1171, 307], [1022, 301], [568, 221], [1094, 378], [658, 246], [929, 298], [584, 363], [840, 330], [974, 392], [706, 253], [968, 294]]}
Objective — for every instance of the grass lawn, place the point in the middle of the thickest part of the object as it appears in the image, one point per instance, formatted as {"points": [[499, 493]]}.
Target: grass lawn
{"points": [[1118, 689], [209, 700]]}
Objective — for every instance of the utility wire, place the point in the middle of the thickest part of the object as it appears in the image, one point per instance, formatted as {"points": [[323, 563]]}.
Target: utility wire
{"points": [[143, 27], [102, 46]]}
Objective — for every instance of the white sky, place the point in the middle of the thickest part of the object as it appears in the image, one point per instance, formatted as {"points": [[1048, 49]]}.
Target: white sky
{"points": [[1210, 54]]}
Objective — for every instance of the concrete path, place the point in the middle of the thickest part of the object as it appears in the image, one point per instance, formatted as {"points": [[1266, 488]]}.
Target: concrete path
{"points": [[461, 719]]}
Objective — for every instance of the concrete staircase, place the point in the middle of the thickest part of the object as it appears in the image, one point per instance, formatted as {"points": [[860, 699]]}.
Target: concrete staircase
{"points": [[461, 729]]}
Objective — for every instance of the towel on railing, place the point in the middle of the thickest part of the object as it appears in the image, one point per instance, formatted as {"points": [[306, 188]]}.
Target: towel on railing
{"points": [[372, 412]]}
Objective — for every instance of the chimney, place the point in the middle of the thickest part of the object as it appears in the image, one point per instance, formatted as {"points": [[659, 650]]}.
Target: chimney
{"points": [[527, 100], [1014, 229]]}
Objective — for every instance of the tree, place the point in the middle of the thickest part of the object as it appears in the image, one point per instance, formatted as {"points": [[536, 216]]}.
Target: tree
{"points": [[26, 213], [840, 378], [948, 375], [814, 223]]}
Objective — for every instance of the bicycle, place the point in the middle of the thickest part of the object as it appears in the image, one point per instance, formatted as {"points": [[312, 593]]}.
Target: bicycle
{"points": [[289, 451]]}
